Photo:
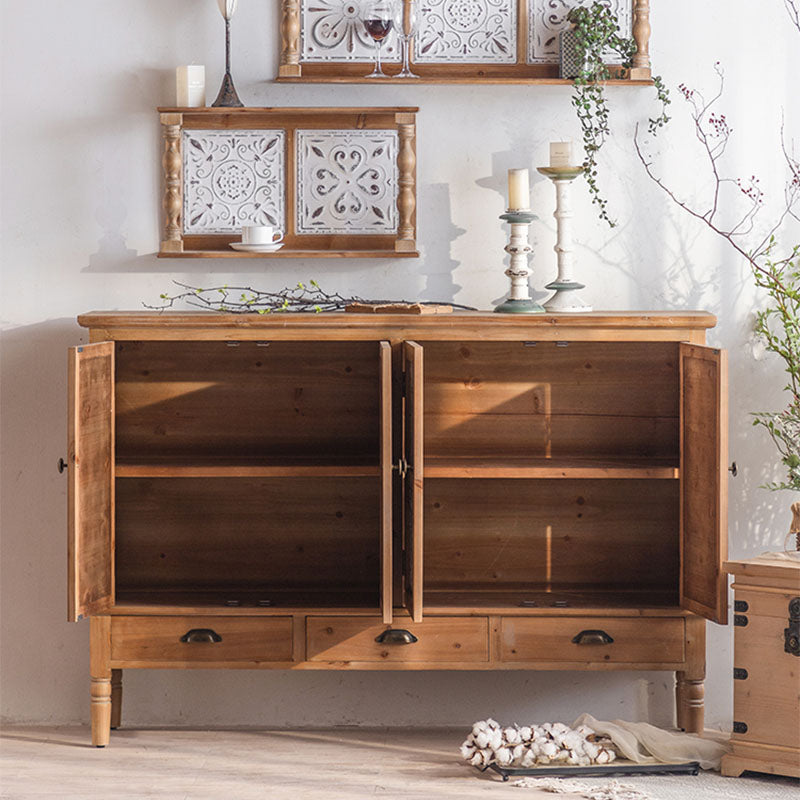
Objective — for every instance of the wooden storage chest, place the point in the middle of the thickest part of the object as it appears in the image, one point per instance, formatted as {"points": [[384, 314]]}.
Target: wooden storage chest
{"points": [[766, 668]]}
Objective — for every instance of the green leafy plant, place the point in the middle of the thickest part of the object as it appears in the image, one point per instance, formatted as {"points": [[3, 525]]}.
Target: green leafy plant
{"points": [[778, 325], [596, 33]]}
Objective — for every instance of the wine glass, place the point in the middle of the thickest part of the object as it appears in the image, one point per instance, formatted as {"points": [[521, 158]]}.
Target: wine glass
{"points": [[378, 17], [406, 23]]}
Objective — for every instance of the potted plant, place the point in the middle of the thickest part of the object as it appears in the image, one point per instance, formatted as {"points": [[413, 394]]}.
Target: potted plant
{"points": [[594, 33]]}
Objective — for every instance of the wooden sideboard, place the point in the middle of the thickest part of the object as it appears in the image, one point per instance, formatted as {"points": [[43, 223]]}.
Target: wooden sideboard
{"points": [[357, 491]]}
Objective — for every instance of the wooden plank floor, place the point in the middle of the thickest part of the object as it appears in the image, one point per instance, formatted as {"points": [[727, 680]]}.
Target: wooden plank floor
{"points": [[289, 765]]}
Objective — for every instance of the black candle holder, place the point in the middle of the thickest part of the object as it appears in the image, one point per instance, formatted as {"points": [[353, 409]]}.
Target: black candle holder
{"points": [[227, 97]]}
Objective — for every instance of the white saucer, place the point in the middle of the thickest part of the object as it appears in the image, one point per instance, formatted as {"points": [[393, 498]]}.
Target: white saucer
{"points": [[257, 248]]}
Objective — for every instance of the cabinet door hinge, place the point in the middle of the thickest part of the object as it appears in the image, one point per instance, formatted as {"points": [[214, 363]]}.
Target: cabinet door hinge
{"points": [[739, 674], [741, 605], [740, 620], [740, 727]]}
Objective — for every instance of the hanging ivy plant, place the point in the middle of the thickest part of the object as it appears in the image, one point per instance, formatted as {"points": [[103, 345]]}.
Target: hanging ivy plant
{"points": [[596, 33]]}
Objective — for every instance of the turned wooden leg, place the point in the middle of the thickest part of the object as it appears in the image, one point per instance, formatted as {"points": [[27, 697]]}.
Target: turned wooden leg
{"points": [[116, 698], [690, 688], [690, 700], [100, 670]]}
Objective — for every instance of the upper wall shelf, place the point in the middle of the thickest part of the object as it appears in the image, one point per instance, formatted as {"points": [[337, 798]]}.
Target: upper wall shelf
{"points": [[458, 41], [340, 182]]}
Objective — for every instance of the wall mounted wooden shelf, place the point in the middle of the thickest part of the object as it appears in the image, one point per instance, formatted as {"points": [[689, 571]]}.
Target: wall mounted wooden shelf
{"points": [[340, 182], [452, 80], [499, 486], [502, 41]]}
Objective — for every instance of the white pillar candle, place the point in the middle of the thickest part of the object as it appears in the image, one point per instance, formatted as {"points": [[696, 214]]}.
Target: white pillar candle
{"points": [[519, 192], [560, 154], [191, 85]]}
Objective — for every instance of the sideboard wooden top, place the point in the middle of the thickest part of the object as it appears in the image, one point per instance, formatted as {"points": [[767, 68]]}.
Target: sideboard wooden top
{"points": [[598, 325], [207, 319]]}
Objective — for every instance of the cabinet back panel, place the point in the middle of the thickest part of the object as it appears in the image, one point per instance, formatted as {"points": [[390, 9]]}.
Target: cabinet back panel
{"points": [[217, 534], [203, 399], [586, 399], [512, 534]]}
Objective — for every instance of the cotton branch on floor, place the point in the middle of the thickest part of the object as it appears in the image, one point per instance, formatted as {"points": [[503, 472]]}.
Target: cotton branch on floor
{"points": [[308, 298]]}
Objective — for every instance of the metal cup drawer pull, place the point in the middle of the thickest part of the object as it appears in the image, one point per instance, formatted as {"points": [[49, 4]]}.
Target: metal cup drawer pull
{"points": [[201, 635], [592, 637], [396, 636]]}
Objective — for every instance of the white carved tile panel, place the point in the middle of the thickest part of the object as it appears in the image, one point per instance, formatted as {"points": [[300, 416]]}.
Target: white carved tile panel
{"points": [[232, 178], [333, 30], [467, 32], [546, 18], [346, 181]]}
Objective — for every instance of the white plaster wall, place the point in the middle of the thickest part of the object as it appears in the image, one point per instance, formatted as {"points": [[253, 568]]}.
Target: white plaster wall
{"points": [[80, 217]]}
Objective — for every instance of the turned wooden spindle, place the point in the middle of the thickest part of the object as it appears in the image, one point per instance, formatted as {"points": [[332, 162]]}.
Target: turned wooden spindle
{"points": [[641, 35], [173, 186], [290, 39], [406, 168]]}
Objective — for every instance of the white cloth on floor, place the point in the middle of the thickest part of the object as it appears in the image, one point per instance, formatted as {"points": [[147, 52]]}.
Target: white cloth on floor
{"points": [[646, 744], [613, 790]]}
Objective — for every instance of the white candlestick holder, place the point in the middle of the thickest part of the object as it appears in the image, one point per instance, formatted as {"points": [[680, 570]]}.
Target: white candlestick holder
{"points": [[565, 287], [519, 298]]}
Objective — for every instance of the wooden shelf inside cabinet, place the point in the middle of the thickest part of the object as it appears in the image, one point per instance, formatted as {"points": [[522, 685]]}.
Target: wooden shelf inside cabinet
{"points": [[467, 467], [244, 468], [225, 168], [545, 599], [237, 601]]}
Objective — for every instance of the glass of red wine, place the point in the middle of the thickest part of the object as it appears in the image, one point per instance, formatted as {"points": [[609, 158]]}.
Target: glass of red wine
{"points": [[378, 17]]}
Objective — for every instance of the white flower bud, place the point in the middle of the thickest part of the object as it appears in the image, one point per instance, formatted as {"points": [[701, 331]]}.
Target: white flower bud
{"points": [[511, 735]]}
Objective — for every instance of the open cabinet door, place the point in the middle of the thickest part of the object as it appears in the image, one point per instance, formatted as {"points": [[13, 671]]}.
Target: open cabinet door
{"points": [[704, 495], [90, 454], [386, 480], [412, 360]]}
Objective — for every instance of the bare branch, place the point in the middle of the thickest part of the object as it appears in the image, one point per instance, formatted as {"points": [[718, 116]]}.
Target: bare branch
{"points": [[793, 7], [302, 298], [778, 324]]}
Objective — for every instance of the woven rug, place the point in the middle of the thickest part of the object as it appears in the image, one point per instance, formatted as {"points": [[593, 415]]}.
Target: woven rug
{"points": [[706, 786]]}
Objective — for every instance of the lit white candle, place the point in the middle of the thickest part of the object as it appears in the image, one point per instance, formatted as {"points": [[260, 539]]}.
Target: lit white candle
{"points": [[191, 85], [560, 154], [519, 193]]}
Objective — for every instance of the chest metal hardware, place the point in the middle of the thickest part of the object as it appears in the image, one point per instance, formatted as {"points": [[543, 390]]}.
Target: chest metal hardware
{"points": [[791, 635]]}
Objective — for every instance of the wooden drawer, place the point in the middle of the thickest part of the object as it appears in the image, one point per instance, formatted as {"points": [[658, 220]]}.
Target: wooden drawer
{"points": [[158, 639], [441, 640], [636, 640]]}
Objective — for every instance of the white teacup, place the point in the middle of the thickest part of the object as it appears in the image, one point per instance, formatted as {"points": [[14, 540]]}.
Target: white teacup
{"points": [[261, 234]]}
